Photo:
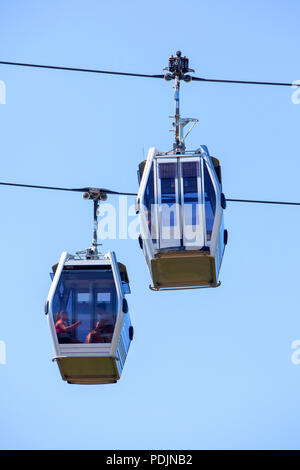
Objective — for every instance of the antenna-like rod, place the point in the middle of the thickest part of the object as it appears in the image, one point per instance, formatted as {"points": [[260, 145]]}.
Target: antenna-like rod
{"points": [[95, 236], [178, 66], [179, 144]]}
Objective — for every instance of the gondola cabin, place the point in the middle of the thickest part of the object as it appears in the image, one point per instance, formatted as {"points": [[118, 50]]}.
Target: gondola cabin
{"points": [[180, 203], [88, 318]]}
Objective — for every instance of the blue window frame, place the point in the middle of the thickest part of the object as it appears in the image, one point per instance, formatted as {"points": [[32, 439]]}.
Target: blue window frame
{"points": [[149, 199]]}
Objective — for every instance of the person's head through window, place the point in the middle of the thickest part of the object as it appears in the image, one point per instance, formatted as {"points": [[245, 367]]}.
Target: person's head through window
{"points": [[62, 316]]}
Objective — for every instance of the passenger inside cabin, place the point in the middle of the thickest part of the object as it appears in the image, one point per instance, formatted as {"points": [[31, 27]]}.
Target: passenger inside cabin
{"points": [[64, 329], [103, 331]]}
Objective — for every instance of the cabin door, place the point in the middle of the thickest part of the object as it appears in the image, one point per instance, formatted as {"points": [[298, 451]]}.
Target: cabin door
{"points": [[191, 203], [169, 214]]}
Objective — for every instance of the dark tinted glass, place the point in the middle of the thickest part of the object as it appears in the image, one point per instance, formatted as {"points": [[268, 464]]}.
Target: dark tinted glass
{"points": [[84, 306], [168, 178]]}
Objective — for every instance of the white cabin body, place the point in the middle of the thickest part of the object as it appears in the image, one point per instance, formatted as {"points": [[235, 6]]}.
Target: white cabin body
{"points": [[88, 318], [180, 203]]}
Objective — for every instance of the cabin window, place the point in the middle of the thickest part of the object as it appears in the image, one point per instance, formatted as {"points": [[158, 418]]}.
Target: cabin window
{"points": [[167, 175], [210, 202], [85, 306]]}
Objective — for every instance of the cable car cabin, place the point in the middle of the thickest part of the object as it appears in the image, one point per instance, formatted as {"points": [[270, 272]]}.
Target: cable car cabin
{"points": [[180, 202], [88, 318]]}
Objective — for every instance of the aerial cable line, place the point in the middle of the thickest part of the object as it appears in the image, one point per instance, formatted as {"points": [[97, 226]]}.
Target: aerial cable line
{"points": [[76, 69], [80, 190], [110, 72], [109, 191], [243, 82], [264, 202]]}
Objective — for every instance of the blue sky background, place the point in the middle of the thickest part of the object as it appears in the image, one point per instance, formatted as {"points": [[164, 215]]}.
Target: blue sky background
{"points": [[207, 369]]}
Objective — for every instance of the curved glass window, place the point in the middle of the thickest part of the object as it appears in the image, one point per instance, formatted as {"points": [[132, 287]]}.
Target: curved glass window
{"points": [[210, 202], [85, 306], [149, 203]]}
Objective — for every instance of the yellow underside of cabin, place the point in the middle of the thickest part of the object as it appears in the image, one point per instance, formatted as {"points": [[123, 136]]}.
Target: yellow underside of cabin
{"points": [[88, 370], [178, 269]]}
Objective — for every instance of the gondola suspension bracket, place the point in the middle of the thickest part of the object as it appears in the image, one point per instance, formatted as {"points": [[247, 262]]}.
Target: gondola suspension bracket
{"points": [[179, 66], [96, 195]]}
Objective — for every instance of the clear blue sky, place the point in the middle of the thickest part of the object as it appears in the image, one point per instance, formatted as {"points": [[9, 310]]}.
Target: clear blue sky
{"points": [[207, 369]]}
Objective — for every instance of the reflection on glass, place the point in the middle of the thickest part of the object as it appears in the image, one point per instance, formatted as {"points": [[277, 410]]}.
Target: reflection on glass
{"points": [[84, 306]]}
